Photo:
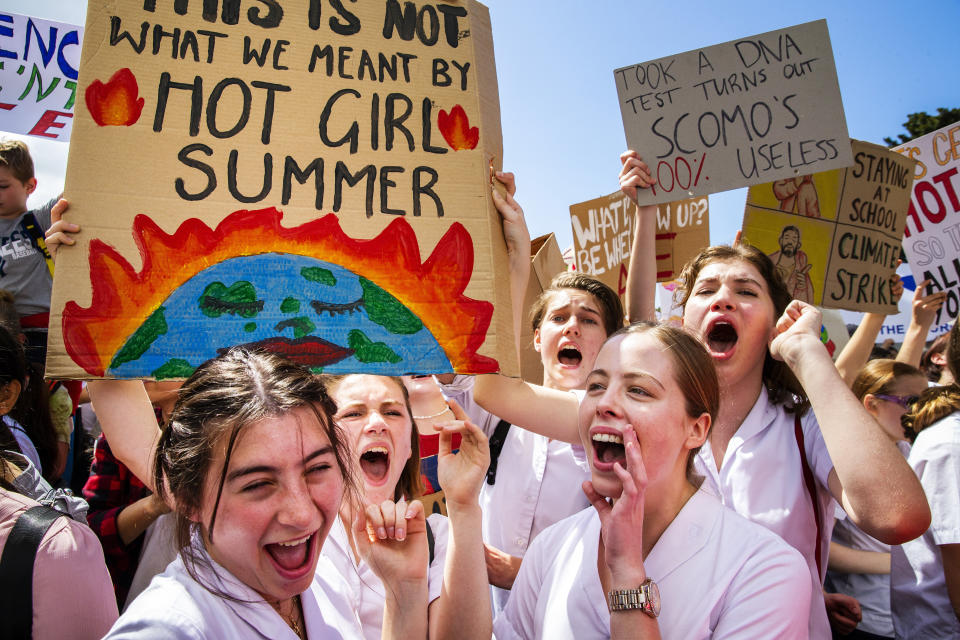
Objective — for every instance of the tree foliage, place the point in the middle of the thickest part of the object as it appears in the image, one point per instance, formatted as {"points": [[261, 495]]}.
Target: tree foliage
{"points": [[922, 123]]}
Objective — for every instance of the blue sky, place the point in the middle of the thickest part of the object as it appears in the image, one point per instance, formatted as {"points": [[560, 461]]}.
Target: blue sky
{"points": [[562, 131]]}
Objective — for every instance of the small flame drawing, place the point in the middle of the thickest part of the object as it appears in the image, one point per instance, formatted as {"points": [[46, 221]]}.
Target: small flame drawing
{"points": [[115, 103], [456, 129]]}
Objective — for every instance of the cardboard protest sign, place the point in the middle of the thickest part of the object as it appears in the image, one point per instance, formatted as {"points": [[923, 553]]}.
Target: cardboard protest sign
{"points": [[683, 229], [314, 180], [434, 503], [932, 235], [546, 263], [835, 236], [603, 235], [39, 61], [895, 325], [744, 112]]}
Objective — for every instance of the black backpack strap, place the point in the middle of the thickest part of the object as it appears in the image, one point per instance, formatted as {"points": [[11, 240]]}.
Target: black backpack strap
{"points": [[16, 570], [431, 541], [31, 227], [496, 446]]}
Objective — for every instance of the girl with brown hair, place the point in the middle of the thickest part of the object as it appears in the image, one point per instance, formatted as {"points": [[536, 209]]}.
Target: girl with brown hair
{"points": [[256, 469], [653, 537], [767, 457]]}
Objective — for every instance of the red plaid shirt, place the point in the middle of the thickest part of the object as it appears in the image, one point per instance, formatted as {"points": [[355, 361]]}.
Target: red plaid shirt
{"points": [[109, 489]]}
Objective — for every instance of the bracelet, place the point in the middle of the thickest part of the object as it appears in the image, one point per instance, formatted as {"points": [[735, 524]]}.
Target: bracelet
{"points": [[435, 415]]}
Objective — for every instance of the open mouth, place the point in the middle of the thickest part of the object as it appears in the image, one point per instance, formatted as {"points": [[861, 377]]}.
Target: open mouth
{"points": [[569, 356], [721, 337], [293, 556], [608, 448], [375, 462]]}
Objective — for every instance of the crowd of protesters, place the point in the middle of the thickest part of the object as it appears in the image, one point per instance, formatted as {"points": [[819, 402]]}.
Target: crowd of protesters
{"points": [[726, 479]]}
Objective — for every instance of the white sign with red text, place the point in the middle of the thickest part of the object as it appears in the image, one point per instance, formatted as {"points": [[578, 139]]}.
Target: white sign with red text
{"points": [[931, 238], [38, 75]]}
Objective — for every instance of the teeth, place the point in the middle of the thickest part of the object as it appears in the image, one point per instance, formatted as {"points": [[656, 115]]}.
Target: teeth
{"points": [[608, 437], [294, 543], [376, 450]]}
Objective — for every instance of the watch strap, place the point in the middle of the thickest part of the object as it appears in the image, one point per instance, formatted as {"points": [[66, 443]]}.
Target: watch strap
{"points": [[623, 599], [645, 598]]}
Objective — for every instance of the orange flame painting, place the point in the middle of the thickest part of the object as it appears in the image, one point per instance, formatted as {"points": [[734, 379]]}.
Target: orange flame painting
{"points": [[115, 103], [398, 291], [456, 129]]}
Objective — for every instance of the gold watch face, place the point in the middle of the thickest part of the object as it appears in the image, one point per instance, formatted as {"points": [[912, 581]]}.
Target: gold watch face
{"points": [[653, 596]]}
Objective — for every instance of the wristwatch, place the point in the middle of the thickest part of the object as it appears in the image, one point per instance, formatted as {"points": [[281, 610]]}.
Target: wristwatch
{"points": [[646, 598]]}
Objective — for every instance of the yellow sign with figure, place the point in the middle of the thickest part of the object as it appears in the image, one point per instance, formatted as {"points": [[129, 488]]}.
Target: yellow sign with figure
{"points": [[835, 236]]}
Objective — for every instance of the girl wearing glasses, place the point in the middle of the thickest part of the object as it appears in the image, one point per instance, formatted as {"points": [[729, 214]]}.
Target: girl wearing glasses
{"points": [[860, 564], [925, 573]]}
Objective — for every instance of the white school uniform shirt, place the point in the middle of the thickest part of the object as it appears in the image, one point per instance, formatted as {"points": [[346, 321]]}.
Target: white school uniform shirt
{"points": [[177, 606], [918, 591], [761, 478], [365, 591], [538, 482], [872, 590], [719, 576], [23, 441]]}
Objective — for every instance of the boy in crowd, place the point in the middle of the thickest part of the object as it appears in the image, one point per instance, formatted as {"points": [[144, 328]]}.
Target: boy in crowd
{"points": [[26, 269]]}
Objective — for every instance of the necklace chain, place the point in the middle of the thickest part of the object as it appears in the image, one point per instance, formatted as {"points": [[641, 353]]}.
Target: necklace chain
{"points": [[434, 415], [295, 621]]}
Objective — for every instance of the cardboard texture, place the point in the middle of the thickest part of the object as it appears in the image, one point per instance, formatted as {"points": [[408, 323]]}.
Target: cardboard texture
{"points": [[434, 503], [895, 325], [38, 75], [547, 263], [932, 235], [311, 180], [743, 112], [603, 237], [835, 236], [683, 229]]}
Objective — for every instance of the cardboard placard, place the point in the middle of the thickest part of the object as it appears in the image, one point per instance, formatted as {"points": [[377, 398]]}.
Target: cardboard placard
{"points": [[683, 229], [895, 325], [313, 180], [434, 503], [39, 62], [744, 112], [546, 263], [932, 235], [835, 236], [603, 237]]}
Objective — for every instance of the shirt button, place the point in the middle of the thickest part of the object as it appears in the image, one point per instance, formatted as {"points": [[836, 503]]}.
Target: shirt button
{"points": [[520, 542]]}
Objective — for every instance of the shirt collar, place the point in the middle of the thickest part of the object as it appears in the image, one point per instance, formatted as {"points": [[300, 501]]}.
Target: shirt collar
{"points": [[246, 604], [684, 537], [761, 416], [758, 419]]}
